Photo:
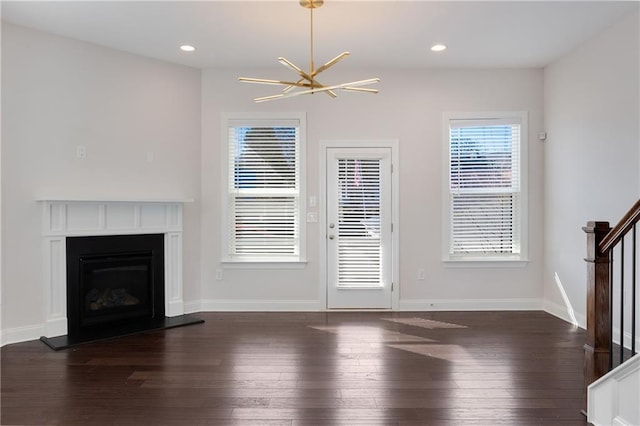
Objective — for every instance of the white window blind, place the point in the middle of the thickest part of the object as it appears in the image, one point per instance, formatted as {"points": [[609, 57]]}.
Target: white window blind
{"points": [[359, 241], [485, 187], [263, 189]]}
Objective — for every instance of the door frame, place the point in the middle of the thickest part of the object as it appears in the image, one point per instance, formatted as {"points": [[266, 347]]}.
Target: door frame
{"points": [[394, 145]]}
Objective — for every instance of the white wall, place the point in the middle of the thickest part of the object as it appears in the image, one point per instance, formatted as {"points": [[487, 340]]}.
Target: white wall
{"points": [[409, 108], [591, 154], [59, 93]]}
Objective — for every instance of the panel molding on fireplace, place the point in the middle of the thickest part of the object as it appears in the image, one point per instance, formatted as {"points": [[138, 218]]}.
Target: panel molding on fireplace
{"points": [[70, 218]]}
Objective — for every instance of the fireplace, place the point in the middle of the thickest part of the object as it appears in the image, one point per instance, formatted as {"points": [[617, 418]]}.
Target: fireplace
{"points": [[111, 268], [113, 282]]}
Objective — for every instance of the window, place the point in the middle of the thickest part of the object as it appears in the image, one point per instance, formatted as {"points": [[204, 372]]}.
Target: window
{"points": [[263, 188], [486, 202]]}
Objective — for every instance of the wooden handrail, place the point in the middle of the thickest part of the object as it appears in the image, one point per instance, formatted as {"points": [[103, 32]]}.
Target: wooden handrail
{"points": [[619, 231]]}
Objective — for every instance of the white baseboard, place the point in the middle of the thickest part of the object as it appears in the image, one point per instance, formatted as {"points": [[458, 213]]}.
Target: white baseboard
{"points": [[174, 308], [565, 314], [192, 307], [21, 334], [627, 338], [55, 327], [471, 305], [619, 421], [414, 305], [260, 306]]}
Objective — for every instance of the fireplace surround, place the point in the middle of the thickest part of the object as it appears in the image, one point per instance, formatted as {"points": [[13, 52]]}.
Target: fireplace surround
{"points": [[66, 219]]}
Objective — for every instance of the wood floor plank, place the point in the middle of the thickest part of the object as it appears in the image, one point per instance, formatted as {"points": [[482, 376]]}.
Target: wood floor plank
{"points": [[294, 369]]}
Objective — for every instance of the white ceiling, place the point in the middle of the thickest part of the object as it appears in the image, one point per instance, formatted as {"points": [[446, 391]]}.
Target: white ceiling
{"points": [[378, 34]]}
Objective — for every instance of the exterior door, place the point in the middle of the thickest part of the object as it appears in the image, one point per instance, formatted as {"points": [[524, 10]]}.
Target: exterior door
{"points": [[358, 234]]}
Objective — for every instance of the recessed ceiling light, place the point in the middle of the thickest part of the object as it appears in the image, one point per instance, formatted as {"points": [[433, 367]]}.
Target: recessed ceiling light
{"points": [[438, 47], [187, 48]]}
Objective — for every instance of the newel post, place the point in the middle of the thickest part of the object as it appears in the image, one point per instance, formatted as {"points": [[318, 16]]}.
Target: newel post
{"points": [[598, 345]]}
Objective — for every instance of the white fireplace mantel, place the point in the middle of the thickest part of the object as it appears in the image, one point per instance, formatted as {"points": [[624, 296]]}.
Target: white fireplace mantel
{"points": [[64, 218]]}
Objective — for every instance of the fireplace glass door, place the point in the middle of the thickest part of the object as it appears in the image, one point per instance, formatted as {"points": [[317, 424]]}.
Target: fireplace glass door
{"points": [[115, 288]]}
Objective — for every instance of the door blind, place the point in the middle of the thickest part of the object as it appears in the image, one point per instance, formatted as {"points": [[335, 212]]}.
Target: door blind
{"points": [[359, 241], [264, 188], [485, 188]]}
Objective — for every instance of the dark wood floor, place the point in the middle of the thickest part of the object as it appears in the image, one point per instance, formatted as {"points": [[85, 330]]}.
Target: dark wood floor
{"points": [[370, 368]]}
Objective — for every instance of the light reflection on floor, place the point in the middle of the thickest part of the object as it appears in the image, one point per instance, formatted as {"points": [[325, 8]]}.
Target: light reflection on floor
{"points": [[376, 336], [424, 323]]}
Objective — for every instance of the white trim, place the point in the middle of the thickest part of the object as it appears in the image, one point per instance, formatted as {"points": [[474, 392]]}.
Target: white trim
{"points": [[225, 118], [447, 117], [485, 263], [471, 305], [115, 200], [174, 305], [235, 305], [562, 312], [21, 334], [192, 307], [619, 421], [394, 145], [604, 404], [627, 338], [262, 264]]}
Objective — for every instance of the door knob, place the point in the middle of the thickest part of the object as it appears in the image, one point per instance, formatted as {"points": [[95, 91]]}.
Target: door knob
{"points": [[332, 225], [331, 237]]}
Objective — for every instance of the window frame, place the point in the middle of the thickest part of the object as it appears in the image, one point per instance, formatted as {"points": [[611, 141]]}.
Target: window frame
{"points": [[278, 261], [494, 260]]}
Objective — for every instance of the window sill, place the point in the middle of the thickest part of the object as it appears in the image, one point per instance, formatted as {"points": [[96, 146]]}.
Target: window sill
{"points": [[263, 264], [485, 263]]}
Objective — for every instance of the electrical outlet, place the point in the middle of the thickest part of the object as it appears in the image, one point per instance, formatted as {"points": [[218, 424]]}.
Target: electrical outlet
{"points": [[421, 274], [81, 151], [219, 275]]}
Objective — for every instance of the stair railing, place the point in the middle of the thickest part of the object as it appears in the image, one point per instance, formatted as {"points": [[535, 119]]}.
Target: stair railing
{"points": [[602, 243]]}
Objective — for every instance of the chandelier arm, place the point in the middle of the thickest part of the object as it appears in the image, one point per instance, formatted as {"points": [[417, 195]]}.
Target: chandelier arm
{"points": [[359, 89], [297, 69], [289, 88], [274, 82], [316, 90], [293, 86], [330, 63]]}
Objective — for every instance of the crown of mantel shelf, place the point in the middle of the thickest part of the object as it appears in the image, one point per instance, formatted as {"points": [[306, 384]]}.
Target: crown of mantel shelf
{"points": [[113, 200]]}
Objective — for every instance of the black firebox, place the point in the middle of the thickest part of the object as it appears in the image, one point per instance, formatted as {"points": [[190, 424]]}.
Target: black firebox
{"points": [[114, 281]]}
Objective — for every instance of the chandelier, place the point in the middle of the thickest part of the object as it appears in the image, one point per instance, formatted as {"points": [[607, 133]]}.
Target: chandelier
{"points": [[307, 82]]}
